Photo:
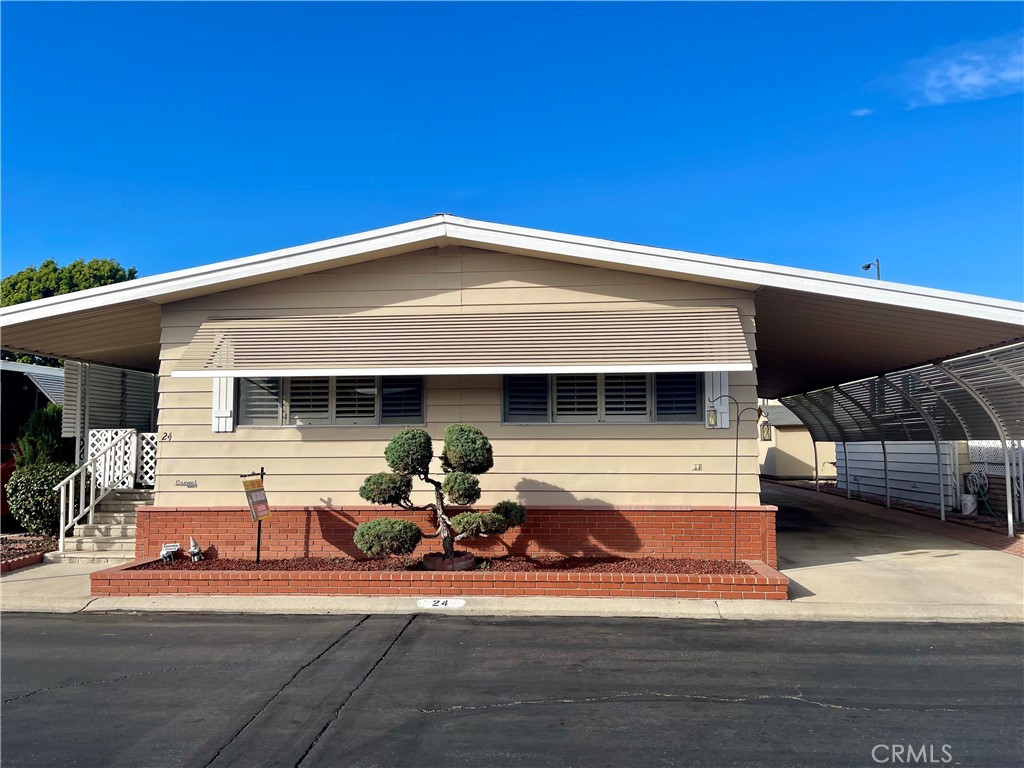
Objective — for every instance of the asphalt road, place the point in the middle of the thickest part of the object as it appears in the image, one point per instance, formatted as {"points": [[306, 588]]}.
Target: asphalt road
{"points": [[429, 690]]}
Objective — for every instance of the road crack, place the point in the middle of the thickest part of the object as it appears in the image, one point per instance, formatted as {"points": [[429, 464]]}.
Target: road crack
{"points": [[337, 713], [117, 679], [799, 697]]}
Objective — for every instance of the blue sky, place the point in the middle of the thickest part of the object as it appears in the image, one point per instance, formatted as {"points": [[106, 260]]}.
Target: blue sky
{"points": [[817, 135]]}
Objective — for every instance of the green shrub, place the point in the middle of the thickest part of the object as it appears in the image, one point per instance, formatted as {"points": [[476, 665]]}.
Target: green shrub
{"points": [[466, 449], [461, 488], [387, 536], [39, 441], [512, 511], [479, 523], [33, 502], [410, 452], [386, 488]]}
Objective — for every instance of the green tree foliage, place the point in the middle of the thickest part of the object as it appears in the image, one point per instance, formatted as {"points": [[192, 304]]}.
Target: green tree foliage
{"points": [[48, 279], [40, 441], [467, 453]]}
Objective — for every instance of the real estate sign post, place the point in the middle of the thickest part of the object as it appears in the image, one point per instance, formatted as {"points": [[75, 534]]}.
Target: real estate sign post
{"points": [[259, 507]]}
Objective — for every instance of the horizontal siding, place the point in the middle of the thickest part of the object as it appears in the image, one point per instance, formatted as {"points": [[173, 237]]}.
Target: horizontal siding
{"points": [[563, 464]]}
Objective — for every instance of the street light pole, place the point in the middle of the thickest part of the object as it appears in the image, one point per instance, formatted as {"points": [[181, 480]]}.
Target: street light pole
{"points": [[736, 472], [878, 268]]}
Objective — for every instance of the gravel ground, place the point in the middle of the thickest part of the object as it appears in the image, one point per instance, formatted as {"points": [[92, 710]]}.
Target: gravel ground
{"points": [[25, 544], [504, 564]]}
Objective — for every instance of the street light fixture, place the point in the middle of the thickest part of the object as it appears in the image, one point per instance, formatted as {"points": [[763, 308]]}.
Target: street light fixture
{"points": [[878, 268]]}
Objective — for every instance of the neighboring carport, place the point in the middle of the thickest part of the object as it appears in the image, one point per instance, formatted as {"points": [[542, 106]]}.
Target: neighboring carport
{"points": [[972, 397]]}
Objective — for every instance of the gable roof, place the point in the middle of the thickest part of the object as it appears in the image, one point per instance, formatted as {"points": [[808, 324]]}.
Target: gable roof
{"points": [[813, 328]]}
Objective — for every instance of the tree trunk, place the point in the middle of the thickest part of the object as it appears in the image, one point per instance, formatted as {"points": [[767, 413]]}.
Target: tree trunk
{"points": [[444, 525]]}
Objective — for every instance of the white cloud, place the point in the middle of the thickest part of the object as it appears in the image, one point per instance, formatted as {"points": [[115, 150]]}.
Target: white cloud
{"points": [[968, 71], [862, 112]]}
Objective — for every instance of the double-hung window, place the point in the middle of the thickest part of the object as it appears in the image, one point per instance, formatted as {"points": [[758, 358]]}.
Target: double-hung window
{"points": [[330, 400], [603, 397]]}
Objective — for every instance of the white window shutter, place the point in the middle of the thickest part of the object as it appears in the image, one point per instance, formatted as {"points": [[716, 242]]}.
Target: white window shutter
{"points": [[716, 384], [224, 404]]}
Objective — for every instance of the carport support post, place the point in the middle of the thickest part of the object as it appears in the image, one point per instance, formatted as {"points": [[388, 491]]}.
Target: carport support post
{"points": [[814, 445], [935, 437], [881, 439], [1002, 438]]}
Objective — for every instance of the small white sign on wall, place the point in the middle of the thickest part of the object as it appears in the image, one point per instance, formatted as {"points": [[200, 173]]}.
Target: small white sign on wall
{"points": [[440, 603]]}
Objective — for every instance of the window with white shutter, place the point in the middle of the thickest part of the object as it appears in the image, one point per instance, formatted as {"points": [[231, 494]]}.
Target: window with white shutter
{"points": [[625, 397], [309, 401], [576, 397], [526, 399], [355, 400], [259, 402], [329, 400], [606, 397]]}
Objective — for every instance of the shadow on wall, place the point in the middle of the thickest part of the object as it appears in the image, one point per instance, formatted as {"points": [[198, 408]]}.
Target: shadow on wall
{"points": [[337, 529], [570, 531]]}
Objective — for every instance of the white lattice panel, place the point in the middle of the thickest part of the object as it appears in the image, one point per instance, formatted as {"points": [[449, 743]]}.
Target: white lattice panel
{"points": [[146, 474]]}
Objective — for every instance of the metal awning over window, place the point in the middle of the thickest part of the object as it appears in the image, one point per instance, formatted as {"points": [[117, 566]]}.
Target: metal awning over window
{"points": [[675, 339]]}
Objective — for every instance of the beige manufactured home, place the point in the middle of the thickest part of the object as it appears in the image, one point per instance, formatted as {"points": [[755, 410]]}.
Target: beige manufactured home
{"points": [[618, 383]]}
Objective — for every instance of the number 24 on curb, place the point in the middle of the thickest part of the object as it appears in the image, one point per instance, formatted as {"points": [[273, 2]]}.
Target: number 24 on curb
{"points": [[443, 602]]}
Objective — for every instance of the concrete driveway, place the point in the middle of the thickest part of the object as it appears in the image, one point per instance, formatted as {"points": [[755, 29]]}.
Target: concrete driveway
{"points": [[836, 551]]}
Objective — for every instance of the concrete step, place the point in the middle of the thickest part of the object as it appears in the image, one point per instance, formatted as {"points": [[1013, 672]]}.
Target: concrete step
{"points": [[113, 518], [119, 506], [99, 558], [100, 544], [105, 529]]}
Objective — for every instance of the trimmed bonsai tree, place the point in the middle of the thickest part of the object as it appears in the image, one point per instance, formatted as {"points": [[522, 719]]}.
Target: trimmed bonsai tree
{"points": [[467, 453]]}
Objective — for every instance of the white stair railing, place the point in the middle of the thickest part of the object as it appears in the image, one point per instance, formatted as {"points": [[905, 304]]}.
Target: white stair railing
{"points": [[110, 468]]}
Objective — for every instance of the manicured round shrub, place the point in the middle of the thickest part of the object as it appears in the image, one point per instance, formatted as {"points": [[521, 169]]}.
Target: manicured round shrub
{"points": [[466, 449], [386, 488], [33, 502], [512, 511], [461, 488], [479, 523], [387, 536], [410, 452]]}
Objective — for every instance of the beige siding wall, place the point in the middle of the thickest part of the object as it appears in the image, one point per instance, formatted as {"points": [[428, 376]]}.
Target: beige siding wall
{"points": [[790, 454], [592, 464]]}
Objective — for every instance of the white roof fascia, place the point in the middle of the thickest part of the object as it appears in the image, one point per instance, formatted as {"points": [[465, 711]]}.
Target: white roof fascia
{"points": [[754, 274], [272, 373], [442, 228], [151, 288], [27, 368]]}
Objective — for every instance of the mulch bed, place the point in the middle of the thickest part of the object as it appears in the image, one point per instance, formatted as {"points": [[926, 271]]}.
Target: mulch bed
{"points": [[13, 547], [504, 564]]}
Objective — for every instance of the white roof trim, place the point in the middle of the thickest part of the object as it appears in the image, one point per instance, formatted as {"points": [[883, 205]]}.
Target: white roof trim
{"points": [[443, 229], [272, 373]]}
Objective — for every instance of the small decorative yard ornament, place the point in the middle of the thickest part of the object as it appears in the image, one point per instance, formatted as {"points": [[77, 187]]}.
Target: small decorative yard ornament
{"points": [[467, 453], [194, 551], [168, 551]]}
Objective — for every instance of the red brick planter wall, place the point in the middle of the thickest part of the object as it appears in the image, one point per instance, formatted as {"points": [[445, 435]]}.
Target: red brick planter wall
{"points": [[21, 562], [122, 581], [705, 533]]}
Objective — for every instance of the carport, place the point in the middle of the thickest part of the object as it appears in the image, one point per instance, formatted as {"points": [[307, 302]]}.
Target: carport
{"points": [[972, 397]]}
